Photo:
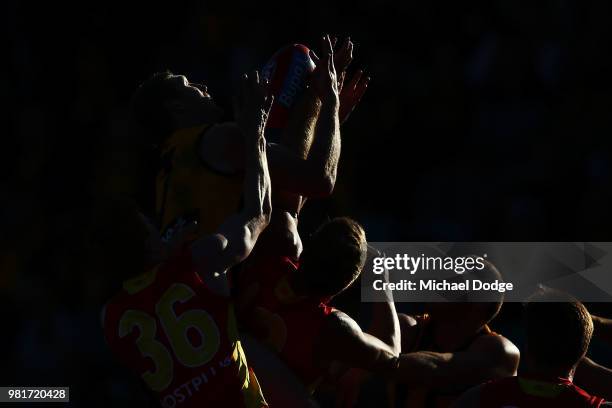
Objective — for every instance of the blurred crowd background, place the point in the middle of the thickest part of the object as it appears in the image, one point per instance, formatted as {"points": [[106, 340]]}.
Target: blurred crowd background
{"points": [[485, 120]]}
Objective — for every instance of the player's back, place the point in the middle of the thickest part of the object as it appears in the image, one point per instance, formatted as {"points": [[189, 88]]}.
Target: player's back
{"points": [[288, 323], [181, 338], [521, 392]]}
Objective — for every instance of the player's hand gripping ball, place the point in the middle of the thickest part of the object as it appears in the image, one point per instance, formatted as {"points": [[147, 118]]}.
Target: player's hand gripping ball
{"points": [[287, 72]]}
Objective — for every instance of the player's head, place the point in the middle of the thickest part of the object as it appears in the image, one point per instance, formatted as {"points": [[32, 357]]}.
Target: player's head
{"points": [[334, 257], [473, 308], [559, 330], [166, 102], [127, 241]]}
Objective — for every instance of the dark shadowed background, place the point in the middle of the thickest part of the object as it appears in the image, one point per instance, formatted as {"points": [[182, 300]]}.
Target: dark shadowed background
{"points": [[486, 121]]}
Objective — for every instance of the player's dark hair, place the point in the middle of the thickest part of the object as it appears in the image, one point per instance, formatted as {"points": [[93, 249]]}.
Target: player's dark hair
{"points": [[559, 329], [334, 257], [149, 109]]}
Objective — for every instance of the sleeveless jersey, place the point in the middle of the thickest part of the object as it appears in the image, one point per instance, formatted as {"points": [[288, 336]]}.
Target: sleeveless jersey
{"points": [[427, 398], [181, 339], [189, 190], [521, 392], [289, 323]]}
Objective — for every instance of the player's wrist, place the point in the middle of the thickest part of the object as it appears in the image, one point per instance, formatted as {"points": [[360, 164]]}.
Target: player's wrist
{"points": [[331, 102]]}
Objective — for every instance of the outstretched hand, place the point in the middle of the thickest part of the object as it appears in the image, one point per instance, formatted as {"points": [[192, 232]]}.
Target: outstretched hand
{"points": [[349, 93], [253, 104], [324, 80]]}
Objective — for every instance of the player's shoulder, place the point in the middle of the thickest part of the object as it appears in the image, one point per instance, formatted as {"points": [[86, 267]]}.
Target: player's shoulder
{"points": [[495, 343], [340, 325], [497, 348], [220, 148], [223, 133]]}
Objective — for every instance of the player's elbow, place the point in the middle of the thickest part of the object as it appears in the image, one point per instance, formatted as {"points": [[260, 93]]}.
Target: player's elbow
{"points": [[263, 216], [322, 184], [259, 217], [328, 183], [395, 345], [503, 357], [258, 222]]}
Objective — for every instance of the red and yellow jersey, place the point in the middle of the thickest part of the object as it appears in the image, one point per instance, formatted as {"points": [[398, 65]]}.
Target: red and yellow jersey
{"points": [[181, 339], [188, 190], [428, 398], [289, 323], [522, 392]]}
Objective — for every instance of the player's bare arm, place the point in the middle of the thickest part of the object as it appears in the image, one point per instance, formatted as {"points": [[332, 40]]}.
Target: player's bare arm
{"points": [[316, 175], [386, 327], [410, 332], [237, 236], [594, 377], [347, 344], [350, 91], [489, 357], [602, 328], [313, 176], [385, 322], [342, 340]]}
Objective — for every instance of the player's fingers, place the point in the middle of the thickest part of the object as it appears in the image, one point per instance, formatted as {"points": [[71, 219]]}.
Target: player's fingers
{"points": [[362, 88], [326, 45], [355, 79], [334, 41], [345, 43], [343, 57], [344, 49], [341, 77], [330, 64], [255, 77], [349, 50], [268, 104]]}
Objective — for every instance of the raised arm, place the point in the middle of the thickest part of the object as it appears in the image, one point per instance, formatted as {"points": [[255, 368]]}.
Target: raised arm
{"points": [[236, 237], [343, 341], [312, 174], [594, 378], [385, 323], [316, 174], [490, 357]]}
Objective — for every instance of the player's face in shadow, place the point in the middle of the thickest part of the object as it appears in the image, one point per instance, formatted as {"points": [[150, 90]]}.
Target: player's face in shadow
{"points": [[195, 101]]}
